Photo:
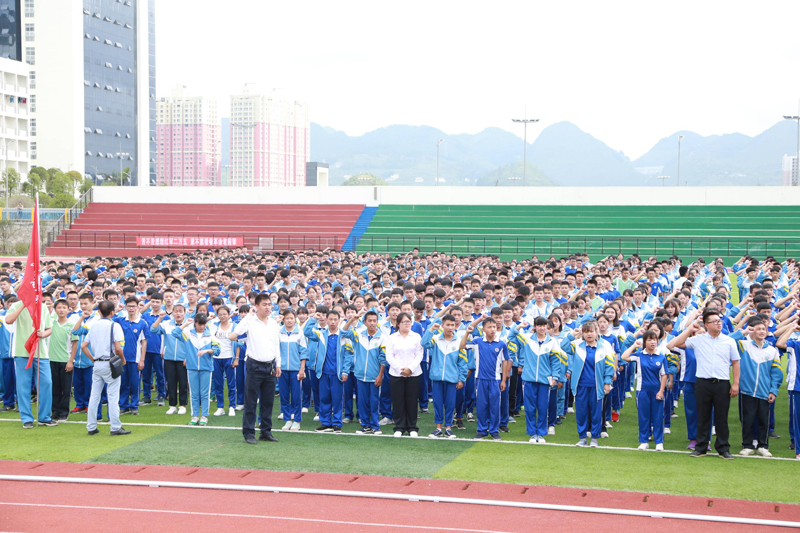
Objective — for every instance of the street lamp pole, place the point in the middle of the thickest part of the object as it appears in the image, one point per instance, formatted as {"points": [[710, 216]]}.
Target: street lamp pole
{"points": [[7, 191], [680, 137], [797, 155], [525, 121], [440, 141]]}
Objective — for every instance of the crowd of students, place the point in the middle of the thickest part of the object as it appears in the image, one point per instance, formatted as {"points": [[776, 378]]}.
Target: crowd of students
{"points": [[376, 340]]}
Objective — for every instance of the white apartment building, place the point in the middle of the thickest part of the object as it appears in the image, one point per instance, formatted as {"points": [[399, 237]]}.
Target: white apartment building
{"points": [[16, 149], [270, 141]]}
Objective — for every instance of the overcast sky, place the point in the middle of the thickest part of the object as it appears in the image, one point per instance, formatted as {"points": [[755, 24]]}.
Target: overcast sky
{"points": [[629, 73]]}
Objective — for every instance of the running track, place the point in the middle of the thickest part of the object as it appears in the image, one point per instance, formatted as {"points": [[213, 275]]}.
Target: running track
{"points": [[43, 506]]}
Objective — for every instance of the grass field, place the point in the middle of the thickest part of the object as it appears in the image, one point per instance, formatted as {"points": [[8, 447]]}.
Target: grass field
{"points": [[165, 440]]}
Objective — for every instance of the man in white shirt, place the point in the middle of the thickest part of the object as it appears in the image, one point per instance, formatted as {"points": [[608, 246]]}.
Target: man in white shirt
{"points": [[263, 367]]}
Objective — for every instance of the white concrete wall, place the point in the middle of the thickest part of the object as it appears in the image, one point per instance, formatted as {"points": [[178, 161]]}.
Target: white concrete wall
{"points": [[787, 196], [143, 154]]}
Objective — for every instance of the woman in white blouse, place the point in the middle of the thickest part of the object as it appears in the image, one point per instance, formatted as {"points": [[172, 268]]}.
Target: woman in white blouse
{"points": [[404, 355]]}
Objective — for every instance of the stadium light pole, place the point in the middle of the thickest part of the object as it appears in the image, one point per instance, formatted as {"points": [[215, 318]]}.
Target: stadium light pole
{"points": [[663, 179], [440, 141], [525, 121], [680, 137], [797, 155]]}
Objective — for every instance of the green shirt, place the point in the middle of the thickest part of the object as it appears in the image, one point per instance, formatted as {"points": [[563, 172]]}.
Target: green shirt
{"points": [[622, 286], [60, 344], [24, 328]]}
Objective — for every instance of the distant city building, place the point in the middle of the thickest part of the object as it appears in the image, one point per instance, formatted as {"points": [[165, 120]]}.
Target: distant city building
{"points": [[189, 150], [11, 29], [317, 174], [93, 87], [789, 170], [15, 146], [269, 141]]}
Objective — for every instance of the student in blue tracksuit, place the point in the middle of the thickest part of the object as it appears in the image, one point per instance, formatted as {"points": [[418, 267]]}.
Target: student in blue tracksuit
{"points": [[790, 341], [225, 363], [492, 366], [152, 358], [199, 347], [294, 355], [173, 355], [302, 318], [760, 379], [334, 359], [239, 356], [590, 368], [688, 378], [540, 358], [651, 380], [447, 371], [369, 365], [135, 346]]}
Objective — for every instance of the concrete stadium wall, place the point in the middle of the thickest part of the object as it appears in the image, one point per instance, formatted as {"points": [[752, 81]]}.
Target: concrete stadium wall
{"points": [[373, 196]]}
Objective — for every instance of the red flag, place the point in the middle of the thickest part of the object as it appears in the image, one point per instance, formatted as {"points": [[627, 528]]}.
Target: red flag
{"points": [[30, 292]]}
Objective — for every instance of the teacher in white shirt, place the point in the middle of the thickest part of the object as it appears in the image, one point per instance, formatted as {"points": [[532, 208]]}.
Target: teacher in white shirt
{"points": [[404, 355]]}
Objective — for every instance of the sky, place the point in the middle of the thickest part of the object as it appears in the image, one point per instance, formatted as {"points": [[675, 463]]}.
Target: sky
{"points": [[629, 73]]}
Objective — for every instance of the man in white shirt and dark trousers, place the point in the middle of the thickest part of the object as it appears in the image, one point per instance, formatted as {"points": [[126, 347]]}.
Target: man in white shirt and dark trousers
{"points": [[263, 367], [716, 354]]}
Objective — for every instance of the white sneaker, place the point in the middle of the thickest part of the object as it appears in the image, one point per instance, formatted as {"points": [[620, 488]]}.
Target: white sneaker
{"points": [[398, 434], [295, 426], [667, 431], [713, 431], [203, 421], [231, 411], [542, 441], [534, 440], [280, 416], [304, 409], [644, 446], [593, 444], [675, 403], [570, 410], [763, 452], [219, 412], [588, 434], [195, 420], [604, 434], [240, 407], [287, 426], [181, 410], [608, 424], [172, 410], [551, 430], [414, 434], [747, 451], [755, 443], [347, 420], [384, 421], [316, 418], [659, 447], [377, 432], [628, 395], [674, 415]]}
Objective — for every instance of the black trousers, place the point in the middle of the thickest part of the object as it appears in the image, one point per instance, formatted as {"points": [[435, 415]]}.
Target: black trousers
{"points": [[62, 385], [714, 393], [405, 394], [512, 392], [754, 409], [177, 382], [259, 380]]}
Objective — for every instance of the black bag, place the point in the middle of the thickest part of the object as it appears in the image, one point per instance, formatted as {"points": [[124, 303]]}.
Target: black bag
{"points": [[115, 363]]}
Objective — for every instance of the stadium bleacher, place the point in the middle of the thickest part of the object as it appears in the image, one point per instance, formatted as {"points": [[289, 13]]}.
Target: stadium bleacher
{"points": [[521, 231], [112, 228]]}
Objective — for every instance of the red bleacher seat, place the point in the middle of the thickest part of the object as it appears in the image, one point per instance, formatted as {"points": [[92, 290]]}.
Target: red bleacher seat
{"points": [[111, 229]]}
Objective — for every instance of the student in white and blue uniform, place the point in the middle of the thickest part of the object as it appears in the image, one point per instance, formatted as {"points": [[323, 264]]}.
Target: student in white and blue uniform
{"points": [[294, 356], [369, 369], [199, 346], [790, 341], [7, 362], [590, 369], [134, 330], [224, 367], [651, 380], [492, 365], [173, 355], [152, 357], [447, 371]]}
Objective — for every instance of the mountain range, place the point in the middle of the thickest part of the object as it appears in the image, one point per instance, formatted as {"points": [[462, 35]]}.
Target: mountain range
{"points": [[562, 154]]}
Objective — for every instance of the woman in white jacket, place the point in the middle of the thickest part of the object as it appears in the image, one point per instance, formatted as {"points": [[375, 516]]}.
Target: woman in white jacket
{"points": [[404, 355]]}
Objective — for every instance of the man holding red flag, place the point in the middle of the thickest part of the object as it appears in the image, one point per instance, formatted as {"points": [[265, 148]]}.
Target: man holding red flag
{"points": [[33, 323]]}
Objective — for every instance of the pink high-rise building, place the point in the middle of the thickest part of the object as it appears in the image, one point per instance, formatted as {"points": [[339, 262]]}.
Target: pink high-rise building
{"points": [[269, 141], [189, 138]]}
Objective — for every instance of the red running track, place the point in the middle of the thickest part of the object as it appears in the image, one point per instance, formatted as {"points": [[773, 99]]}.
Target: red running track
{"points": [[39, 506]]}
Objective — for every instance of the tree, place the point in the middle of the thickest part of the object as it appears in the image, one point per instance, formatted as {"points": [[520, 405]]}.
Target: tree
{"points": [[65, 200], [77, 180], [364, 179], [58, 183], [86, 185], [13, 178]]}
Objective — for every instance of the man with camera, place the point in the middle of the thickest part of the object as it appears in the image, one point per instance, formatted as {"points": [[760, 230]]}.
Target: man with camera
{"points": [[263, 367]]}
